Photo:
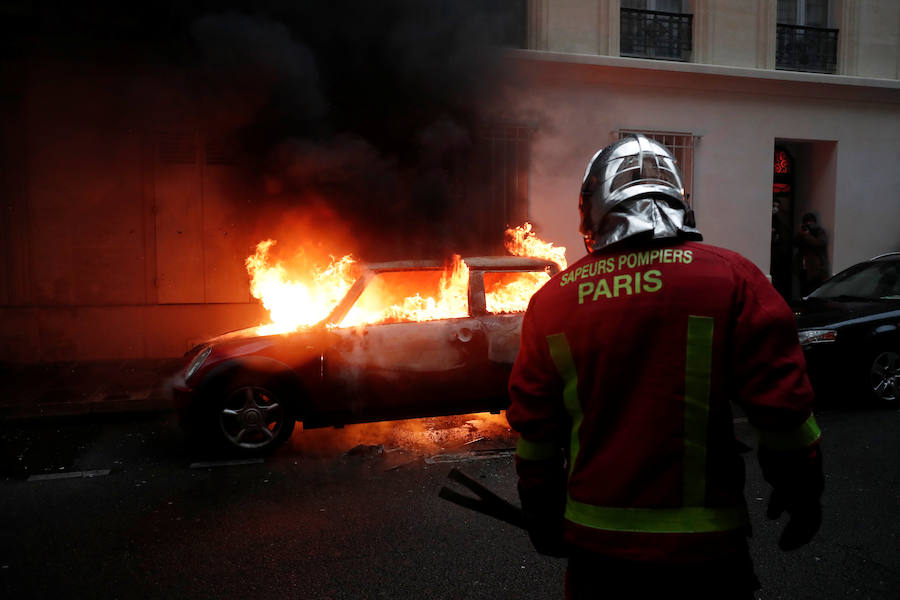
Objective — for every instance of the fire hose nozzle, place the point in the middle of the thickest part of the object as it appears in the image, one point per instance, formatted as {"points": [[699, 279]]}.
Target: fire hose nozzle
{"points": [[487, 503]]}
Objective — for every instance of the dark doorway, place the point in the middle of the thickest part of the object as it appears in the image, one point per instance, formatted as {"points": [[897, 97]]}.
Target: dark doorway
{"points": [[780, 266], [804, 178]]}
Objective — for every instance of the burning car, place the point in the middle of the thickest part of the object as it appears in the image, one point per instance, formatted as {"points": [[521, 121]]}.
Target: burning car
{"points": [[407, 339]]}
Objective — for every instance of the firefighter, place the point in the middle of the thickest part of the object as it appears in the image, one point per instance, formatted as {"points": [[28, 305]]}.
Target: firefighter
{"points": [[621, 391]]}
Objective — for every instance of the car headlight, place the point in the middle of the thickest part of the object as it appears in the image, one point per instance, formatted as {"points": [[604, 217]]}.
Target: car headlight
{"points": [[197, 362], [816, 336]]}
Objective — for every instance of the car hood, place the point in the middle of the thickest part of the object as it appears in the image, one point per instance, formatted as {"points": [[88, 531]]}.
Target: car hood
{"points": [[249, 340], [239, 334], [824, 312]]}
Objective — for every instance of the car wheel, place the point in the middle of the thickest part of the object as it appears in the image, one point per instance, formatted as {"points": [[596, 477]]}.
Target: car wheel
{"points": [[251, 418], [884, 376]]}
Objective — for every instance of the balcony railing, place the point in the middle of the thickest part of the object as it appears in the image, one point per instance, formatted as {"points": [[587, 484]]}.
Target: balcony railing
{"points": [[812, 49], [655, 34]]}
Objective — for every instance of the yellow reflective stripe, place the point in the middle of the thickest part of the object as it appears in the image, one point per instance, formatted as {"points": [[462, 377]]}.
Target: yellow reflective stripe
{"points": [[803, 436], [690, 519], [535, 450], [698, 365], [565, 366]]}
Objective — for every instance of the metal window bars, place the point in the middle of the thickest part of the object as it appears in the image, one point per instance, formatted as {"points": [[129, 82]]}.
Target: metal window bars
{"points": [[509, 154], [681, 145], [800, 48], [655, 34]]}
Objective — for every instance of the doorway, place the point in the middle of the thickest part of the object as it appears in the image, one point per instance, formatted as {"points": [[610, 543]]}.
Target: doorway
{"points": [[803, 182], [781, 257]]}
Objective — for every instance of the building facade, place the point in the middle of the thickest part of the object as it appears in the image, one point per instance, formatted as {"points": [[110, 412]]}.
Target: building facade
{"points": [[731, 86]]}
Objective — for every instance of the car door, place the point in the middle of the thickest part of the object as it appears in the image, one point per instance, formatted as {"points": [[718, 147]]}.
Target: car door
{"points": [[410, 369], [386, 364], [499, 302]]}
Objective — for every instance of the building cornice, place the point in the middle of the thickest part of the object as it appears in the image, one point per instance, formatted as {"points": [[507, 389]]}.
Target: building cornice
{"points": [[636, 71]]}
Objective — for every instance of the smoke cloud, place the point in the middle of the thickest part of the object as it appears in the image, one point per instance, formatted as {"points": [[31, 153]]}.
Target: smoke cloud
{"points": [[372, 108], [367, 113]]}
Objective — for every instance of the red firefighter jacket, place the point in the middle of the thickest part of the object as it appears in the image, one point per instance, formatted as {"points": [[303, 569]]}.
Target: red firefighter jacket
{"points": [[628, 362]]}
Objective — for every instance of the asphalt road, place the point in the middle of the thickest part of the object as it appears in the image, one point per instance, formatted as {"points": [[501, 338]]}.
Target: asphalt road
{"points": [[119, 508]]}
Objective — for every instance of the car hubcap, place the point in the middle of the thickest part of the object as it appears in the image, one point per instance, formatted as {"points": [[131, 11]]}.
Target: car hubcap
{"points": [[885, 376], [251, 417]]}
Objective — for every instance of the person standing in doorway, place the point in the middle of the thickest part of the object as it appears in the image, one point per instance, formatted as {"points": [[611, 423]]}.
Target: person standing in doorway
{"points": [[780, 257], [812, 249]]}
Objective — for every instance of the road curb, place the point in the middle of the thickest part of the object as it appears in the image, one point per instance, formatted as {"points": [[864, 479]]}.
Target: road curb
{"points": [[74, 389]]}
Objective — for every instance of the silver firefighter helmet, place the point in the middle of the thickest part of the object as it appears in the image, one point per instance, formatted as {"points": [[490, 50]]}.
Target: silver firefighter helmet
{"points": [[631, 187]]}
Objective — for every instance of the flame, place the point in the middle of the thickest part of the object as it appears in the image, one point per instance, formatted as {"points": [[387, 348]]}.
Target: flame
{"points": [[301, 297], [510, 292], [295, 301], [521, 241], [450, 300]]}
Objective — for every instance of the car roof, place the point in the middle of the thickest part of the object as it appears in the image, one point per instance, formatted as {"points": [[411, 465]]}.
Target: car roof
{"points": [[474, 262], [887, 256]]}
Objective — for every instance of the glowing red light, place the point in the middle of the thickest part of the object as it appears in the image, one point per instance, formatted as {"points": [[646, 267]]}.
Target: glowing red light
{"points": [[782, 162]]}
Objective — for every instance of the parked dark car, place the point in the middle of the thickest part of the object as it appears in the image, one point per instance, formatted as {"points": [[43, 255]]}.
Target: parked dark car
{"points": [[849, 328], [244, 392]]}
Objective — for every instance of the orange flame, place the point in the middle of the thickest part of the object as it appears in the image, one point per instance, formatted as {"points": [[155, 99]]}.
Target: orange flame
{"points": [[297, 299], [521, 241], [293, 301], [450, 300], [510, 292]]}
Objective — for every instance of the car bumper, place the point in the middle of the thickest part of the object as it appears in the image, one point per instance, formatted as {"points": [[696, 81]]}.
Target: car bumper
{"points": [[182, 396], [829, 366]]}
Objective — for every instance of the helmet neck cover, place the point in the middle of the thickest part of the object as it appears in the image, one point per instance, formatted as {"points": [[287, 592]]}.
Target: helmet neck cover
{"points": [[633, 187]]}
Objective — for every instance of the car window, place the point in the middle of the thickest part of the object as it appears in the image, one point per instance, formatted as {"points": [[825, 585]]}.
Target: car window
{"points": [[510, 291], [888, 287], [411, 295], [877, 280]]}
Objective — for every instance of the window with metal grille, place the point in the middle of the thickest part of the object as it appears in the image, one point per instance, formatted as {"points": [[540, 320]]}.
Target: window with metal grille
{"points": [[681, 145], [494, 186], [655, 29], [804, 41]]}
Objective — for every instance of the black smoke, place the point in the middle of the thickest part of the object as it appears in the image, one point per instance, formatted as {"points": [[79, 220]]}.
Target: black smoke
{"points": [[368, 112], [371, 107]]}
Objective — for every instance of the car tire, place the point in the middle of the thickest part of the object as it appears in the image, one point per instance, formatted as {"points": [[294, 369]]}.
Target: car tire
{"points": [[249, 416], [883, 377]]}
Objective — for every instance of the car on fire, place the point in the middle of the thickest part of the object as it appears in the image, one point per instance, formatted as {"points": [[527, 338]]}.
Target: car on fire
{"points": [[243, 392], [849, 329]]}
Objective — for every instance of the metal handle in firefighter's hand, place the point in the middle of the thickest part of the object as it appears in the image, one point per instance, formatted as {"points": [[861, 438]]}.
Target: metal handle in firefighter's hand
{"points": [[488, 503]]}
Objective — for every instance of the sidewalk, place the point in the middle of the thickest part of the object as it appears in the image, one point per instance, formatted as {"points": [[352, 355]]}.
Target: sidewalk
{"points": [[83, 388]]}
